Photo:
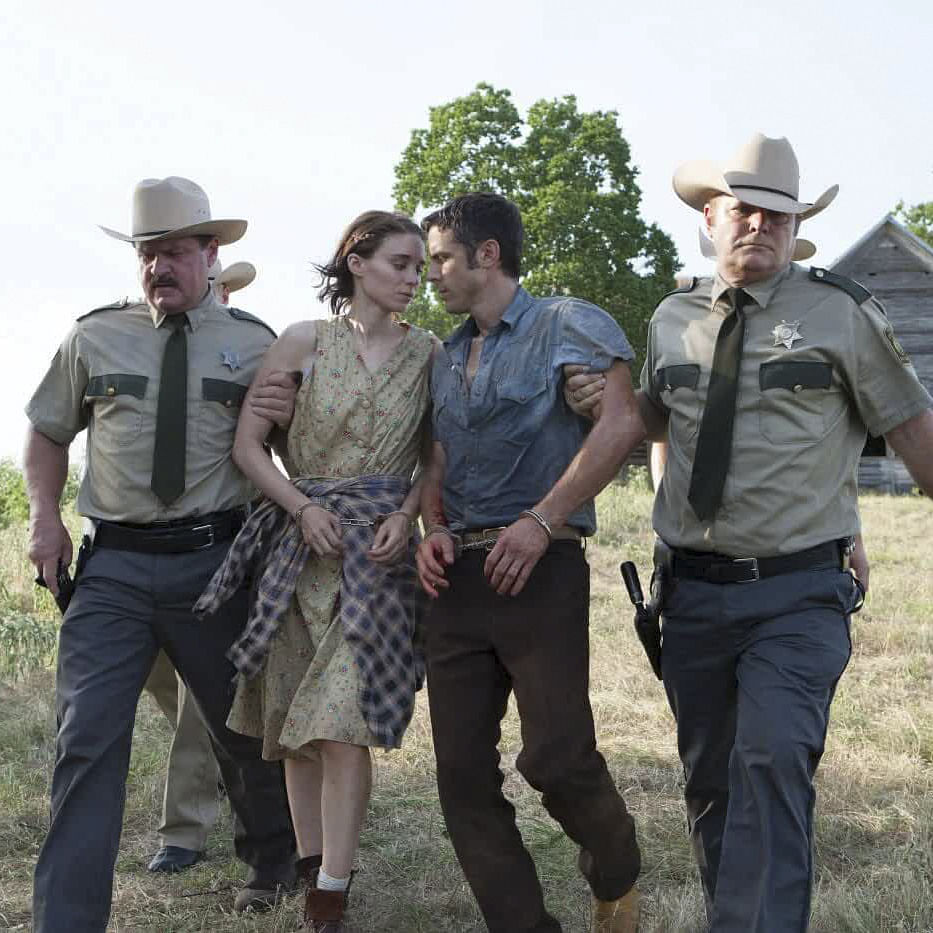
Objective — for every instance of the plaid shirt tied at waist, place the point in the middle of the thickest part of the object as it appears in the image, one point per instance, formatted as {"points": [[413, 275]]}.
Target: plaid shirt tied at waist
{"points": [[378, 603]]}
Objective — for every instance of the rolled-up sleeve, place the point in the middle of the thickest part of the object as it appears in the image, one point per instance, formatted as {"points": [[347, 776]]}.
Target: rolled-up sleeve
{"points": [[57, 408], [590, 337]]}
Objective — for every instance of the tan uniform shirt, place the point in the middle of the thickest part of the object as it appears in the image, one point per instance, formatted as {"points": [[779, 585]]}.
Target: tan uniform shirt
{"points": [[105, 377], [817, 370]]}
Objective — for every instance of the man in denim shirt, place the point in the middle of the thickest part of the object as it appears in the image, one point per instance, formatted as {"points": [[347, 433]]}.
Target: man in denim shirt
{"points": [[507, 498]]}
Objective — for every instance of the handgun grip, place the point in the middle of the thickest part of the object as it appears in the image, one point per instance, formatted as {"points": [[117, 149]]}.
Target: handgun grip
{"points": [[630, 577]]}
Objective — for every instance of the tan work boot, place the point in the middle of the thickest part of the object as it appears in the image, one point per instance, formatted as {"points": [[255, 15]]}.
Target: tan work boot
{"points": [[619, 916]]}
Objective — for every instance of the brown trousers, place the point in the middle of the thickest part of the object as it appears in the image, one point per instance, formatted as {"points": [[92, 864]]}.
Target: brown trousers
{"points": [[481, 647]]}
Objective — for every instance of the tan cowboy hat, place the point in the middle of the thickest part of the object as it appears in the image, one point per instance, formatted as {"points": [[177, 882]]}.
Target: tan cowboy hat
{"points": [[803, 249], [167, 208], [764, 172], [235, 277]]}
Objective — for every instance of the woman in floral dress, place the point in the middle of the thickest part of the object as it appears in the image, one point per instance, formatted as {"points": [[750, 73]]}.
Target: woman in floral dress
{"points": [[321, 698]]}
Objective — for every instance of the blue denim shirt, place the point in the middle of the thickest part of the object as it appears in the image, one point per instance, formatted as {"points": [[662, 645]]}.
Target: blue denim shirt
{"points": [[510, 437]]}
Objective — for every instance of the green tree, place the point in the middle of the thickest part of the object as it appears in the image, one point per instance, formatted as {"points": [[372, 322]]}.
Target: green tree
{"points": [[569, 173], [919, 219]]}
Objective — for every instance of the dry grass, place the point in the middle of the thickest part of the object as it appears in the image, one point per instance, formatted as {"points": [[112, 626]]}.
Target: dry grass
{"points": [[875, 808]]}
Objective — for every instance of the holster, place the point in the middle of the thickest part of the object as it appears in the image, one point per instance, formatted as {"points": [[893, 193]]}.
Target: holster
{"points": [[661, 579], [67, 583]]}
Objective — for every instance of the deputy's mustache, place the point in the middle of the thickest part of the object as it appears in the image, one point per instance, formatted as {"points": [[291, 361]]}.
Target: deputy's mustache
{"points": [[165, 283]]}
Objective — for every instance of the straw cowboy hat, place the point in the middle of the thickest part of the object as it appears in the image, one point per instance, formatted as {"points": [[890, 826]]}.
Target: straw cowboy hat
{"points": [[235, 277], [167, 208], [803, 249], [764, 172]]}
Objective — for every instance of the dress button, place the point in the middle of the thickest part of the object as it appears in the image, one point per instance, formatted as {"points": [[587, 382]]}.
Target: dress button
{"points": [[798, 387], [365, 403], [111, 390], [229, 403]]}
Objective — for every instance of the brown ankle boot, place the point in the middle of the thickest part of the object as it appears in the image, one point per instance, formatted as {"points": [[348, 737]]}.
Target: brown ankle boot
{"points": [[324, 911], [619, 916], [307, 868]]}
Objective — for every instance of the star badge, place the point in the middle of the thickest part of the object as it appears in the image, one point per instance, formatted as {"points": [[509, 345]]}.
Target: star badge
{"points": [[786, 334], [231, 359]]}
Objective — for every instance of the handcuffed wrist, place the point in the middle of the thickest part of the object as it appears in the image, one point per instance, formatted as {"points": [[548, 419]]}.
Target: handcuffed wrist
{"points": [[540, 519], [440, 529]]}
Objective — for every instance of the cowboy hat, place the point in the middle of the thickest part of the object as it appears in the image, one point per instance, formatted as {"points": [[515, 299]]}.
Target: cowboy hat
{"points": [[803, 249], [764, 173], [235, 277], [167, 208]]}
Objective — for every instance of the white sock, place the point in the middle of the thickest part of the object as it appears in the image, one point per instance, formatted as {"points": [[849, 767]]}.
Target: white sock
{"points": [[326, 883]]}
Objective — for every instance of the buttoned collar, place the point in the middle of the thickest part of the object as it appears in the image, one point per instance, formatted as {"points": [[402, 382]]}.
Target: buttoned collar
{"points": [[520, 303], [208, 303], [761, 292]]}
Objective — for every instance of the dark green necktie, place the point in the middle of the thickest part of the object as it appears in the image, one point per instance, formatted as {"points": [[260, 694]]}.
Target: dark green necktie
{"points": [[714, 444], [168, 458]]}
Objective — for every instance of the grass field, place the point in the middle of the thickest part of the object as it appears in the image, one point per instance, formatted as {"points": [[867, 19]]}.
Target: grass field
{"points": [[874, 850]]}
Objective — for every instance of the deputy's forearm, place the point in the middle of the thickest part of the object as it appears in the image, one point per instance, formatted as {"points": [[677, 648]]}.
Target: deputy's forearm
{"points": [[607, 447], [913, 443], [45, 467]]}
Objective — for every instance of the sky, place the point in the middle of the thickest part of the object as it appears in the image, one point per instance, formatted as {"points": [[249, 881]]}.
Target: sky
{"points": [[293, 115]]}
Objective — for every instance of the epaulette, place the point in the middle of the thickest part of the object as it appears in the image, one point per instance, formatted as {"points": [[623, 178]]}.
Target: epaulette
{"points": [[116, 306], [239, 315], [858, 293], [689, 287]]}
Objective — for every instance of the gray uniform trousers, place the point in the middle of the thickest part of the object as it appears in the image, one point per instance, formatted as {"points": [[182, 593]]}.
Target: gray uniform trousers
{"points": [[191, 802], [750, 670], [127, 605]]}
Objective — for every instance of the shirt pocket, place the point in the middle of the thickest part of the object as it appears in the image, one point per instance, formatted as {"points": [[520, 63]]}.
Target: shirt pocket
{"points": [[523, 406], [797, 402], [117, 403], [221, 400], [676, 386]]}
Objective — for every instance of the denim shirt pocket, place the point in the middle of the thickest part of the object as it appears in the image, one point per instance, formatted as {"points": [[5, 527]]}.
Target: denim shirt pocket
{"points": [[523, 405]]}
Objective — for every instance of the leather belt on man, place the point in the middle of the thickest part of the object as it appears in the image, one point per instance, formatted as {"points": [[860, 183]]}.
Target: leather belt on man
{"points": [[175, 537], [721, 568], [484, 539]]}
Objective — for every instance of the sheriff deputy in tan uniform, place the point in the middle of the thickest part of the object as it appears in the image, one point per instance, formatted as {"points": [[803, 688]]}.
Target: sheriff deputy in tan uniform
{"points": [[763, 379], [158, 385], [190, 802]]}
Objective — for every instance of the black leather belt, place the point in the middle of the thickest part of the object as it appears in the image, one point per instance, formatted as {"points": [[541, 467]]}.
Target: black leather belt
{"points": [[720, 568], [175, 537]]}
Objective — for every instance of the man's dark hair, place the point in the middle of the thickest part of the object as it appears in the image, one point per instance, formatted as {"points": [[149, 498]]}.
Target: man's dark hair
{"points": [[480, 216]]}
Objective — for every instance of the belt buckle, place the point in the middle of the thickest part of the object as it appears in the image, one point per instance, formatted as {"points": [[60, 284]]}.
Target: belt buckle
{"points": [[356, 522], [486, 543], [210, 536], [752, 564]]}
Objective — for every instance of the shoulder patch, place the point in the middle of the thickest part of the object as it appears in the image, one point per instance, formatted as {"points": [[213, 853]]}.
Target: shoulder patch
{"points": [[239, 315], [689, 287], [858, 293], [115, 306]]}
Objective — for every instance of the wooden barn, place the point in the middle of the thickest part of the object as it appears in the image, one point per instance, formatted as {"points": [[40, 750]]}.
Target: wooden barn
{"points": [[897, 267]]}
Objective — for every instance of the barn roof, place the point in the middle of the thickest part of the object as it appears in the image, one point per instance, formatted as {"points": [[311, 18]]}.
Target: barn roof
{"points": [[891, 225]]}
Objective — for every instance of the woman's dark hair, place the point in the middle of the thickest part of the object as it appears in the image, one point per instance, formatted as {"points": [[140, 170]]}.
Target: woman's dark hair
{"points": [[477, 217], [363, 236]]}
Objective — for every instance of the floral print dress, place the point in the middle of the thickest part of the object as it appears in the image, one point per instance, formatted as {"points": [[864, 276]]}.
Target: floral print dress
{"points": [[348, 422]]}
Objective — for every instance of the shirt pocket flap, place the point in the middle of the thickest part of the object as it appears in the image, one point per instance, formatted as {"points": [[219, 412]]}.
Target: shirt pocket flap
{"points": [[111, 384], [227, 393], [795, 375], [680, 376], [523, 388]]}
